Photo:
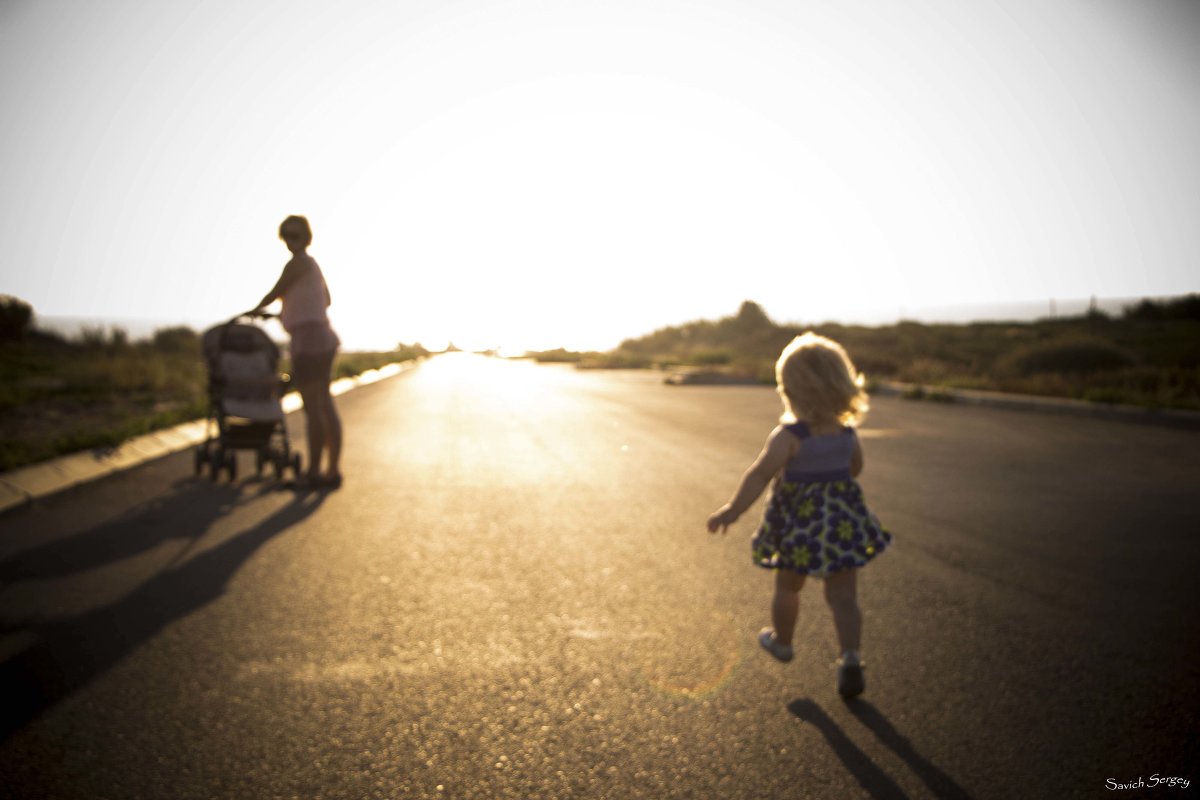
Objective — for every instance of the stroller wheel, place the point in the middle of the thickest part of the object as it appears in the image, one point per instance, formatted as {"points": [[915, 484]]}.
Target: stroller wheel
{"points": [[295, 465], [215, 461], [231, 464]]}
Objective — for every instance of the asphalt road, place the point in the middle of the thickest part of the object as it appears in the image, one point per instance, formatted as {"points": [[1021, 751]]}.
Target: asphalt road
{"points": [[513, 595]]}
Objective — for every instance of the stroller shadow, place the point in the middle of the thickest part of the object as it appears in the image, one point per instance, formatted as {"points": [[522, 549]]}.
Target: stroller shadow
{"points": [[72, 652], [871, 777], [185, 514]]}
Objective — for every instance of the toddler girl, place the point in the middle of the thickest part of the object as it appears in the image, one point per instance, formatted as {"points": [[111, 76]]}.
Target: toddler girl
{"points": [[816, 522]]}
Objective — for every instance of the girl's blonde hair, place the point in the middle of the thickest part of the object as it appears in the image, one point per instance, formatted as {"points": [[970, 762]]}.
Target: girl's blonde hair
{"points": [[817, 381]]}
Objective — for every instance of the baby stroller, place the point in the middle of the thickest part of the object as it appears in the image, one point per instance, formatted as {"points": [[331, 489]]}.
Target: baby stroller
{"points": [[245, 391]]}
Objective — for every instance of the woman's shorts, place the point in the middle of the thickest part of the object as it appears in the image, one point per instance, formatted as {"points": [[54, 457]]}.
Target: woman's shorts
{"points": [[312, 367], [313, 348]]}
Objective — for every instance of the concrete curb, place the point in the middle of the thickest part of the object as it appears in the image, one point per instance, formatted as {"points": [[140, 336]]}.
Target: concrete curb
{"points": [[1187, 420], [1168, 417], [21, 486]]}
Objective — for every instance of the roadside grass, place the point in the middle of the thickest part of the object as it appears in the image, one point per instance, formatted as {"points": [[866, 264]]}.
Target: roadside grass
{"points": [[347, 365], [100, 389], [1148, 357]]}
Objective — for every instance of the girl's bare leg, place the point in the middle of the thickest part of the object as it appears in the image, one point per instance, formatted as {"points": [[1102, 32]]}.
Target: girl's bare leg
{"points": [[785, 605], [841, 592]]}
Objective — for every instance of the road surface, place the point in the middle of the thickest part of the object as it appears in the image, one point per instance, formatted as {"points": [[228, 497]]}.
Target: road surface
{"points": [[513, 595]]}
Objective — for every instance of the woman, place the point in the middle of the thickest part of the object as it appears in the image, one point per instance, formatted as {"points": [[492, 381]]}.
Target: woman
{"points": [[305, 297]]}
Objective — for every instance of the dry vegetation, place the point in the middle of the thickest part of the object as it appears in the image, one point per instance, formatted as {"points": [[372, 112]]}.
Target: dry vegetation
{"points": [[1149, 356], [100, 388]]}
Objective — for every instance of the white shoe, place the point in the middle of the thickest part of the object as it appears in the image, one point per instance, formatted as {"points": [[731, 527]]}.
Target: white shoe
{"points": [[783, 652], [850, 680]]}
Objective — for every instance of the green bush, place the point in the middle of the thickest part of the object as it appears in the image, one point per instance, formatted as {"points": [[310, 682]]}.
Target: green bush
{"points": [[556, 356], [617, 359], [16, 318], [347, 365], [104, 389], [1067, 356], [709, 358], [1187, 307], [179, 339]]}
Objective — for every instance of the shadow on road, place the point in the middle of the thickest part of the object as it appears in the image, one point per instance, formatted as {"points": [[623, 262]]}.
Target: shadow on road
{"points": [[185, 514], [870, 776], [72, 652]]}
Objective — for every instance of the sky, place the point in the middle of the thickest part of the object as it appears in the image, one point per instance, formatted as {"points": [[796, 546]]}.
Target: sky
{"points": [[546, 173]]}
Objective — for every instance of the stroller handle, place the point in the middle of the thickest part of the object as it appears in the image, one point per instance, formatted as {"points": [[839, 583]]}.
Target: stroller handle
{"points": [[255, 313]]}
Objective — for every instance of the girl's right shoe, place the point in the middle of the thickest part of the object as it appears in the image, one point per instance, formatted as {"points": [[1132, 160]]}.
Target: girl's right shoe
{"points": [[850, 680], [783, 652]]}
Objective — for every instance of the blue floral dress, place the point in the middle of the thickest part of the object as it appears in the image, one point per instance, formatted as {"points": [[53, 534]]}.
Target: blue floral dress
{"points": [[816, 521]]}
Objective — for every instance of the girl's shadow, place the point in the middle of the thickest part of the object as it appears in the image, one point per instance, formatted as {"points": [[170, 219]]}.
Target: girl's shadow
{"points": [[874, 780]]}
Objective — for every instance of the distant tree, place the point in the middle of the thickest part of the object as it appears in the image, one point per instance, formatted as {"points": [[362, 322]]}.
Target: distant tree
{"points": [[1094, 312], [751, 316], [16, 318]]}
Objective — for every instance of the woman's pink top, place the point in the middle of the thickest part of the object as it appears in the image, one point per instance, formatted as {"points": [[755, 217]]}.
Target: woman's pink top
{"points": [[303, 315]]}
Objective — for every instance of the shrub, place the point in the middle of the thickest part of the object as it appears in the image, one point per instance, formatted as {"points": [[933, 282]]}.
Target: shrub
{"points": [[557, 356], [179, 339], [710, 358], [1187, 307], [617, 359], [1066, 356], [93, 337], [16, 318]]}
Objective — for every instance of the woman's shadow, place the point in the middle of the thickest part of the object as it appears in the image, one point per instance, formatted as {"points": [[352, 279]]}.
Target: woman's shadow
{"points": [[71, 652], [184, 514], [874, 780]]}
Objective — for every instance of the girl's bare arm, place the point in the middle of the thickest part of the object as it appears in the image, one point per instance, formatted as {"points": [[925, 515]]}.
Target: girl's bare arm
{"points": [[781, 446]]}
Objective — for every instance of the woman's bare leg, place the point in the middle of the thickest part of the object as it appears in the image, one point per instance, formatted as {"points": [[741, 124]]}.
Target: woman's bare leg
{"points": [[315, 424], [333, 435]]}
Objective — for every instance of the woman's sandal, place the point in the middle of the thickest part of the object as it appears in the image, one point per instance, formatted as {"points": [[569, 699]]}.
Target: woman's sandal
{"points": [[307, 483], [310, 483], [330, 481]]}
